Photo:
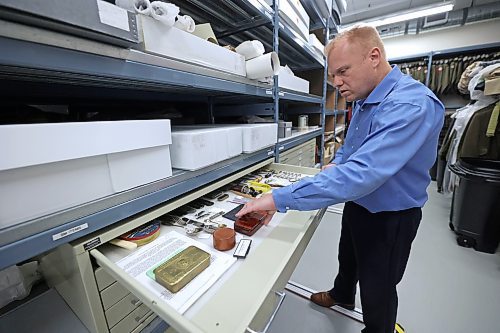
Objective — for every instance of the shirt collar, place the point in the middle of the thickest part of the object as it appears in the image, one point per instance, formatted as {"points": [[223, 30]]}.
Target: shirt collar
{"points": [[384, 87]]}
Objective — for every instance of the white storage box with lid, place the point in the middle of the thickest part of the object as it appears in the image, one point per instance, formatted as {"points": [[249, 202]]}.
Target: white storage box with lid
{"points": [[254, 136], [258, 136], [184, 46], [195, 147], [288, 81], [49, 167]]}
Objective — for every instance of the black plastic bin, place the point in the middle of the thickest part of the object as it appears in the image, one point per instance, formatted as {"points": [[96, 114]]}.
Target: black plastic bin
{"points": [[475, 210]]}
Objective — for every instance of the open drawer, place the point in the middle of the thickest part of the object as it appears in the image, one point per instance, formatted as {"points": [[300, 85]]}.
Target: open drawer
{"points": [[244, 298]]}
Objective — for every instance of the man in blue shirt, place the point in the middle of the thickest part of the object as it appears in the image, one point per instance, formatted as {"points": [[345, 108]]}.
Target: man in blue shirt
{"points": [[381, 173]]}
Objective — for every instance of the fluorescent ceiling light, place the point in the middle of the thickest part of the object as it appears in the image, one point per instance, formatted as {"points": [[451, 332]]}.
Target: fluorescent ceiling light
{"points": [[406, 16]]}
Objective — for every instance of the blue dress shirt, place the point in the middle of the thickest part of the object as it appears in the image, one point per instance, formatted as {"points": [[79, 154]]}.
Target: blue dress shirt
{"points": [[388, 151]]}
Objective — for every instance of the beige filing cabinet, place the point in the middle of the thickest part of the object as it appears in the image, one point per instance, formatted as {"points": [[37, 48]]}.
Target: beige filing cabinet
{"points": [[106, 299], [302, 155]]}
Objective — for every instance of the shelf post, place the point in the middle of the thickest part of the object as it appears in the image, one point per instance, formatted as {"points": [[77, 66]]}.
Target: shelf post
{"points": [[276, 26], [323, 98]]}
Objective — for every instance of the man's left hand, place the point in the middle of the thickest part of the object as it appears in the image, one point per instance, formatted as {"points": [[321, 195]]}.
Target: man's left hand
{"points": [[264, 203]]}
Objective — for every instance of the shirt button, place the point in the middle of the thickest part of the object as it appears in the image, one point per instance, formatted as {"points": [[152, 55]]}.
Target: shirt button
{"points": [[287, 208], [352, 147], [356, 128]]}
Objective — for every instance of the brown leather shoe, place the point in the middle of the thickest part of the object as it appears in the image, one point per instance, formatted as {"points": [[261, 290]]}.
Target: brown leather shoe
{"points": [[323, 298]]}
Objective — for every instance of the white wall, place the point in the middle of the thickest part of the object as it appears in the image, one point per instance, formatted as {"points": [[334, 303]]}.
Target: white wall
{"points": [[468, 35]]}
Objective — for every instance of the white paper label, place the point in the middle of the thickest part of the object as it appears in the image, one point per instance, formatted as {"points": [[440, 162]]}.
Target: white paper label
{"points": [[69, 231], [113, 15]]}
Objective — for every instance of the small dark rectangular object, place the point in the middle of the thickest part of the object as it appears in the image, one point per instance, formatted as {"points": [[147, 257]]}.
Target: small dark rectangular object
{"points": [[242, 248], [223, 197], [196, 205], [231, 214], [215, 194], [204, 202]]}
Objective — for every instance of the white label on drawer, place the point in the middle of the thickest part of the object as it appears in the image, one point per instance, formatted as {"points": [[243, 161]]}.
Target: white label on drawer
{"points": [[269, 92], [113, 15], [69, 231]]}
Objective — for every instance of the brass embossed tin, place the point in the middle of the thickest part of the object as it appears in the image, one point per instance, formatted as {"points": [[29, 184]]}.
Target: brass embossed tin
{"points": [[177, 271]]}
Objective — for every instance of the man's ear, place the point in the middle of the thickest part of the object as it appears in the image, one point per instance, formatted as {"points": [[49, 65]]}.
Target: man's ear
{"points": [[375, 56]]}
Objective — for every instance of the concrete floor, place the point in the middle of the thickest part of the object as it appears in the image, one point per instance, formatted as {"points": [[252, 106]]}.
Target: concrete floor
{"points": [[446, 288]]}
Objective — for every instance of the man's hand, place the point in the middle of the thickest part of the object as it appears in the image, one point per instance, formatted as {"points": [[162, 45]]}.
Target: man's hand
{"points": [[264, 203], [328, 166]]}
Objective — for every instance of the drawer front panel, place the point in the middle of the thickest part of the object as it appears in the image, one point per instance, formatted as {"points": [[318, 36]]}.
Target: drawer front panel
{"points": [[102, 278], [112, 294], [121, 309], [134, 319]]}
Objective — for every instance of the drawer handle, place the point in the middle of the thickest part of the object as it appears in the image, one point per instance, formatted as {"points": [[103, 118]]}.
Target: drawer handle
{"points": [[142, 319], [269, 322], [136, 302]]}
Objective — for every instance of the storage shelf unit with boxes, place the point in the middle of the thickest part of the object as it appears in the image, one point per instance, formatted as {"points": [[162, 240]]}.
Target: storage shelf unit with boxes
{"points": [[109, 127]]}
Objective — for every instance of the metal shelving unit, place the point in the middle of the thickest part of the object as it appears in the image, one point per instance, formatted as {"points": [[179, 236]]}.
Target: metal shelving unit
{"points": [[297, 139], [23, 61], [39, 63], [291, 95]]}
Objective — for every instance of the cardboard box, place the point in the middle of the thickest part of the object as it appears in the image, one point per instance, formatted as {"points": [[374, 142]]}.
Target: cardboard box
{"points": [[327, 156], [341, 103], [315, 78], [183, 46], [288, 81], [46, 168], [315, 120], [196, 147]]}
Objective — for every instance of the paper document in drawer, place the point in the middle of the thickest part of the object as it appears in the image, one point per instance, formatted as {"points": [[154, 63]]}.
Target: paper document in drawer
{"points": [[137, 264]]}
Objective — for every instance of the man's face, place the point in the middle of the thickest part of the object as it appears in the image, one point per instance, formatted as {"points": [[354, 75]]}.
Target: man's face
{"points": [[352, 71]]}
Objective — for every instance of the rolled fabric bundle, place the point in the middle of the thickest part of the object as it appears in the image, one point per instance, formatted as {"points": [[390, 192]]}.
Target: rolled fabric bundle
{"points": [[185, 22], [142, 7], [164, 12], [126, 4], [251, 49], [263, 66]]}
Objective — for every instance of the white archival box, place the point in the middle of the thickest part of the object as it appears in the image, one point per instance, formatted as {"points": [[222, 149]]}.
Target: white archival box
{"points": [[295, 15], [184, 46], [299, 9], [49, 167], [195, 147], [258, 136], [255, 136], [288, 81], [314, 42]]}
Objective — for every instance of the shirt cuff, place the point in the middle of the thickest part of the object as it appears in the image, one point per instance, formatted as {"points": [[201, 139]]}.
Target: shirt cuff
{"points": [[282, 198]]}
